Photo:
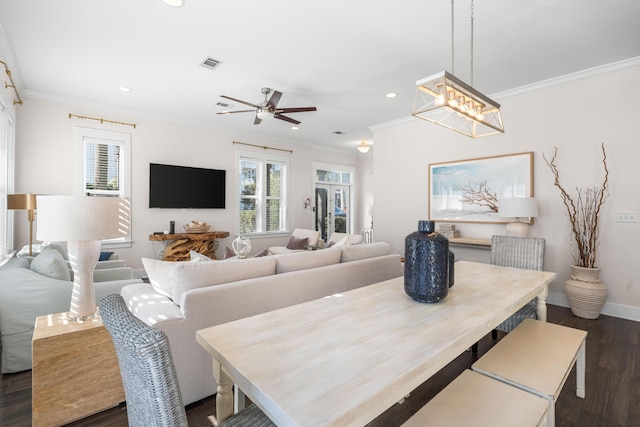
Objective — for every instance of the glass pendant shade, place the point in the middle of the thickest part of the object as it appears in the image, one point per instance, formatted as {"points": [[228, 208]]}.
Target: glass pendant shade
{"points": [[446, 100]]}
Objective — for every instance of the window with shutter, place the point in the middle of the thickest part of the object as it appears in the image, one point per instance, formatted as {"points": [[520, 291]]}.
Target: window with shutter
{"points": [[105, 169]]}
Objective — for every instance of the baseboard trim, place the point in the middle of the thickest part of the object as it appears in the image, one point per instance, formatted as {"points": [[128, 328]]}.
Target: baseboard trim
{"points": [[609, 309]]}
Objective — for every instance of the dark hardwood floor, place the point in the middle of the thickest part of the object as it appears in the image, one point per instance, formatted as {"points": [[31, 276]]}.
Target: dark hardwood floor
{"points": [[612, 394]]}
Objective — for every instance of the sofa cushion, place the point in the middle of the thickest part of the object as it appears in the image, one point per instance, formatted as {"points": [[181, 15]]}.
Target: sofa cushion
{"points": [[297, 243], [308, 259], [160, 275], [368, 250], [50, 263], [263, 252], [192, 275], [339, 239]]}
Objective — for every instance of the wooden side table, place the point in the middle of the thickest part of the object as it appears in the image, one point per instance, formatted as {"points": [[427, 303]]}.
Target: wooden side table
{"points": [[75, 370], [179, 245]]}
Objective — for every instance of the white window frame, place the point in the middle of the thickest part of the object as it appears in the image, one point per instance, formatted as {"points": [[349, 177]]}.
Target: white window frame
{"points": [[7, 179], [121, 139], [262, 159]]}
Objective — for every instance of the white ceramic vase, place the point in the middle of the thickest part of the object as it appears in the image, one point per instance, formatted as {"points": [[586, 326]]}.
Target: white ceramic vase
{"points": [[585, 292]]}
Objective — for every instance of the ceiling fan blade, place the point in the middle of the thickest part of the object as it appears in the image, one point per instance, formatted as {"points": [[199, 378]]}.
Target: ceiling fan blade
{"points": [[238, 111], [273, 101], [257, 120], [295, 110], [286, 119], [240, 101]]}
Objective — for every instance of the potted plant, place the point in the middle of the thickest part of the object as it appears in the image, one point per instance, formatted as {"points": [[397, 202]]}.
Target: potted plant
{"points": [[584, 290]]}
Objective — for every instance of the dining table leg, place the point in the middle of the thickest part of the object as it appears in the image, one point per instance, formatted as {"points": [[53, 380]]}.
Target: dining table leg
{"points": [[224, 395]]}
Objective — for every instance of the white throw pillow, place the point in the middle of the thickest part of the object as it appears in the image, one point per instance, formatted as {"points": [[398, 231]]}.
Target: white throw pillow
{"points": [[197, 256], [160, 274], [50, 263]]}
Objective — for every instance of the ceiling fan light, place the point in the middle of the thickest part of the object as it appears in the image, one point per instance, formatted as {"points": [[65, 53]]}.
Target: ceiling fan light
{"points": [[264, 114]]}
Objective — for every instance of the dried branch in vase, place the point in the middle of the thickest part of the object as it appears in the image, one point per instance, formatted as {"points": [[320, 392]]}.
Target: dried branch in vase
{"points": [[584, 213]]}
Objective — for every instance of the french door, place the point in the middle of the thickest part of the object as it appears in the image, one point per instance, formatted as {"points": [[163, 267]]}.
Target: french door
{"points": [[333, 210]]}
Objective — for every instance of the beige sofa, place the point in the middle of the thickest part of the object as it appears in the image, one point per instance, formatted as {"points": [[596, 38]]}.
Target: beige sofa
{"points": [[189, 296]]}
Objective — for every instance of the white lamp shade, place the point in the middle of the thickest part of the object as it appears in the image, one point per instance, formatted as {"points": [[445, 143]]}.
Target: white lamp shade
{"points": [[81, 218], [518, 207]]}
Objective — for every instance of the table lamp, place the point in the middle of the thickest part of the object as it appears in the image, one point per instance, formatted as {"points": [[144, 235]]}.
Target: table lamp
{"points": [[28, 202], [518, 207], [82, 221]]}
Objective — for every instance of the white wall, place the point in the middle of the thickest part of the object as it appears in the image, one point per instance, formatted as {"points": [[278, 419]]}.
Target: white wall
{"points": [[576, 116], [45, 162]]}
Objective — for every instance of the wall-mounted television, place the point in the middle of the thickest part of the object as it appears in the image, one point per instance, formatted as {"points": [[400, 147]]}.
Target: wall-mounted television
{"points": [[172, 186]]}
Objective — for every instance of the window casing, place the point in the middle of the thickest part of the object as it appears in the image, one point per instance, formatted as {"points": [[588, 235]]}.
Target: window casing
{"points": [[262, 196], [7, 178], [105, 168]]}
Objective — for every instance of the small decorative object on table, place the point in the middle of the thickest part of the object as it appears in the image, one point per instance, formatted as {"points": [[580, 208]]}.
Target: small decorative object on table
{"points": [[241, 246], [197, 227], [449, 231], [428, 265]]}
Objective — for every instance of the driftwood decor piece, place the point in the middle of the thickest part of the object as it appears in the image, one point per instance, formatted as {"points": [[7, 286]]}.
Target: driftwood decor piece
{"points": [[179, 246]]}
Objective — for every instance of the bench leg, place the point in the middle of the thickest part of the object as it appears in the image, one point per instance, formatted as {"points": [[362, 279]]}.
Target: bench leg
{"points": [[580, 369]]}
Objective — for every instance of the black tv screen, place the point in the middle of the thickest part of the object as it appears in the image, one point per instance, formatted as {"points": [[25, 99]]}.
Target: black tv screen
{"points": [[186, 187]]}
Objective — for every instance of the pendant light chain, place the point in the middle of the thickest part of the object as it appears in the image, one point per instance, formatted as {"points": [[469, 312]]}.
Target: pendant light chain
{"points": [[452, 51], [471, 43]]}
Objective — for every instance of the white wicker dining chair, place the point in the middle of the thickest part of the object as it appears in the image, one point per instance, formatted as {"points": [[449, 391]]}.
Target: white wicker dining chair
{"points": [[149, 376], [518, 252]]}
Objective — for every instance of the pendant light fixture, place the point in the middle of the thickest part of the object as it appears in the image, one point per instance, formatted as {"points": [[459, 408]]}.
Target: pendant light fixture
{"points": [[446, 100]]}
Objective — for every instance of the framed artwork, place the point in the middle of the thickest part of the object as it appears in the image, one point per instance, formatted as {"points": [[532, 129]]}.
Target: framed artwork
{"points": [[469, 190]]}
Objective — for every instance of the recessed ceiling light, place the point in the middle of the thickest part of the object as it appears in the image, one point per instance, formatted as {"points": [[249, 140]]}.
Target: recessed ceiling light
{"points": [[174, 3], [294, 128], [391, 95], [124, 89]]}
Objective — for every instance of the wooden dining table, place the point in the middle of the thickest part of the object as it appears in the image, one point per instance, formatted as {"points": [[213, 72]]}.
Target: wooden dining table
{"points": [[344, 359]]}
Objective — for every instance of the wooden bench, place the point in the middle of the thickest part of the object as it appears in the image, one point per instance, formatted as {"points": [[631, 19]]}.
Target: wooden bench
{"points": [[476, 400], [537, 357]]}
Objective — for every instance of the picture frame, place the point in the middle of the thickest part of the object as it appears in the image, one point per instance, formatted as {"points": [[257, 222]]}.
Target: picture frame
{"points": [[469, 190]]}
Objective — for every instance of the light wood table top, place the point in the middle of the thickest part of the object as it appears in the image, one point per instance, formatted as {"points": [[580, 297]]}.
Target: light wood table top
{"points": [[344, 359]]}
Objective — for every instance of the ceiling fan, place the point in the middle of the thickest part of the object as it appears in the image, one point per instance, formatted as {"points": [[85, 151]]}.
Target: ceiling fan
{"points": [[268, 108]]}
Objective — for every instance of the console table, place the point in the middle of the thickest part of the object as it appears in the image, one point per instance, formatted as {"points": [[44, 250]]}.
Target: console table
{"points": [[177, 246]]}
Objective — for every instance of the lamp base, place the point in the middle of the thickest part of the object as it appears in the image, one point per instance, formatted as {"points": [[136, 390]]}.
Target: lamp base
{"points": [[83, 256], [517, 229]]}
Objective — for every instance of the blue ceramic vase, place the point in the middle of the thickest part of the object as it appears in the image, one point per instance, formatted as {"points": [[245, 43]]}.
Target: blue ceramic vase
{"points": [[428, 264]]}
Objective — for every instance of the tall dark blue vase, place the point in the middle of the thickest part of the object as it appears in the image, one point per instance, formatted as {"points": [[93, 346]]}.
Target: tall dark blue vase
{"points": [[428, 264]]}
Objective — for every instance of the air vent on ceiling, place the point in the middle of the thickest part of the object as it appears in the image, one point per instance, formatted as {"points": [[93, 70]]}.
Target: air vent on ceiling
{"points": [[211, 63], [339, 132], [224, 105]]}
